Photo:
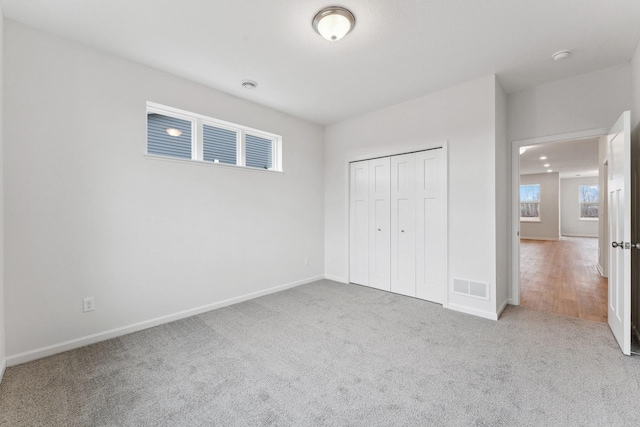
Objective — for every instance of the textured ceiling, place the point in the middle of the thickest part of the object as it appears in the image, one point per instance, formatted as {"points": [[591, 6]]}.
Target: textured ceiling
{"points": [[569, 158], [398, 50]]}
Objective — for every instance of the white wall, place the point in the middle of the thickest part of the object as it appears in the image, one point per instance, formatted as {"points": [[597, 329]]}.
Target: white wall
{"points": [[570, 222], [88, 215], [548, 228], [589, 101], [2, 299], [465, 117], [503, 200]]}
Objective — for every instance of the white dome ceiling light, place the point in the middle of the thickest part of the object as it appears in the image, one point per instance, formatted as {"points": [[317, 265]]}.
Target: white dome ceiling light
{"points": [[333, 23], [559, 56]]}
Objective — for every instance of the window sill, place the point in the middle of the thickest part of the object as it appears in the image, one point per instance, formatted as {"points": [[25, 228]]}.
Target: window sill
{"points": [[210, 164], [530, 220]]}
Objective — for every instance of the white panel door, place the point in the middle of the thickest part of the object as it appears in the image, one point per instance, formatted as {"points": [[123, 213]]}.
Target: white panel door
{"points": [[403, 224], [431, 257], [379, 230], [619, 298], [359, 223]]}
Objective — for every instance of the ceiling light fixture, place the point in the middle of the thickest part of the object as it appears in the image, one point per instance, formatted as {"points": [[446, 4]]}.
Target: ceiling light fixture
{"points": [[546, 165], [543, 158], [523, 149], [559, 56], [174, 132], [333, 23], [549, 170], [249, 84]]}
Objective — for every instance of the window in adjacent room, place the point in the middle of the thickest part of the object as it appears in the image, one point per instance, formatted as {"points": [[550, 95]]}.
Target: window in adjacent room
{"points": [[589, 198], [178, 134], [530, 202]]}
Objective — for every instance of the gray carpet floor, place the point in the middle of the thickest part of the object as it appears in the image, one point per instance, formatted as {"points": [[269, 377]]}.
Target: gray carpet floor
{"points": [[334, 354]]}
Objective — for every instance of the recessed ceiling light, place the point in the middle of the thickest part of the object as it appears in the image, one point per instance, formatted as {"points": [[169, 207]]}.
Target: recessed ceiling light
{"points": [[547, 165], [523, 149], [543, 158], [549, 170], [559, 56], [174, 132], [249, 84], [333, 23]]}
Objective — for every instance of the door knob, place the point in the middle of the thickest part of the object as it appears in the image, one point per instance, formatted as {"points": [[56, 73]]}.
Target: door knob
{"points": [[617, 245], [635, 246]]}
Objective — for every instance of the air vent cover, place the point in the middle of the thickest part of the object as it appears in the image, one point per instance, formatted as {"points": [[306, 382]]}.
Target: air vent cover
{"points": [[471, 288]]}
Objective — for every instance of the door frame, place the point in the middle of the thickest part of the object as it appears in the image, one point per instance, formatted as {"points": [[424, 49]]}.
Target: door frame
{"points": [[395, 151], [514, 290]]}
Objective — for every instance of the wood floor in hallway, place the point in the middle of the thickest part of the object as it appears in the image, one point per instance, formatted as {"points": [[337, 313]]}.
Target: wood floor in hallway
{"points": [[561, 277]]}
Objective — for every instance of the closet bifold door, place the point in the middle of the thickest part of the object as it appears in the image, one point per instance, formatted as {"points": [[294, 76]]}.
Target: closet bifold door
{"points": [[359, 223], [379, 221], [430, 225], [403, 219]]}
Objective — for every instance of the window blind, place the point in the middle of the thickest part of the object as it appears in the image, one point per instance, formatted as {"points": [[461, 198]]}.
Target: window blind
{"points": [[160, 143], [219, 144], [259, 152]]}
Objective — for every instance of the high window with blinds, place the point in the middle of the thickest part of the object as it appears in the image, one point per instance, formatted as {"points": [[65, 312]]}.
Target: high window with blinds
{"points": [[178, 134]]}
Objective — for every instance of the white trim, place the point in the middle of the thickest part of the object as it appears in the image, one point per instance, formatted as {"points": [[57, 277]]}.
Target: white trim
{"points": [[601, 270], [197, 123], [3, 367], [336, 279], [473, 311], [511, 302], [50, 350], [515, 188], [591, 236], [203, 163], [398, 152], [553, 239], [502, 307]]}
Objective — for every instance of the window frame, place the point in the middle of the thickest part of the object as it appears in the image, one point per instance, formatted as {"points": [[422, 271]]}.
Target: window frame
{"points": [[531, 219], [197, 148], [580, 217]]}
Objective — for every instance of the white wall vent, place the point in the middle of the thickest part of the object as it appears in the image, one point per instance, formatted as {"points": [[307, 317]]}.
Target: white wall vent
{"points": [[461, 286], [471, 288]]}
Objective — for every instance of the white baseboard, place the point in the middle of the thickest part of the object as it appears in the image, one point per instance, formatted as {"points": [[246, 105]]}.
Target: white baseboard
{"points": [[502, 307], [3, 367], [591, 236], [554, 239], [511, 301], [600, 270], [473, 311], [50, 350], [336, 278]]}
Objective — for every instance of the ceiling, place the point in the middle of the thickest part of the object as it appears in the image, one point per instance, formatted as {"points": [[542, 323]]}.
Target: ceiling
{"points": [[398, 50], [570, 159]]}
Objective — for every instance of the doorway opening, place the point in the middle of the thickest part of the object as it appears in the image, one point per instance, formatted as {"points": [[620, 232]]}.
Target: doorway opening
{"points": [[560, 225], [559, 264]]}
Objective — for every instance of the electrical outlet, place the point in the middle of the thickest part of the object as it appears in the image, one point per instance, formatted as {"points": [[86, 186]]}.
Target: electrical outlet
{"points": [[89, 304], [306, 261]]}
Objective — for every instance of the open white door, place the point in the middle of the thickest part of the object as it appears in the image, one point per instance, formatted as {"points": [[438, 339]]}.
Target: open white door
{"points": [[619, 151]]}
